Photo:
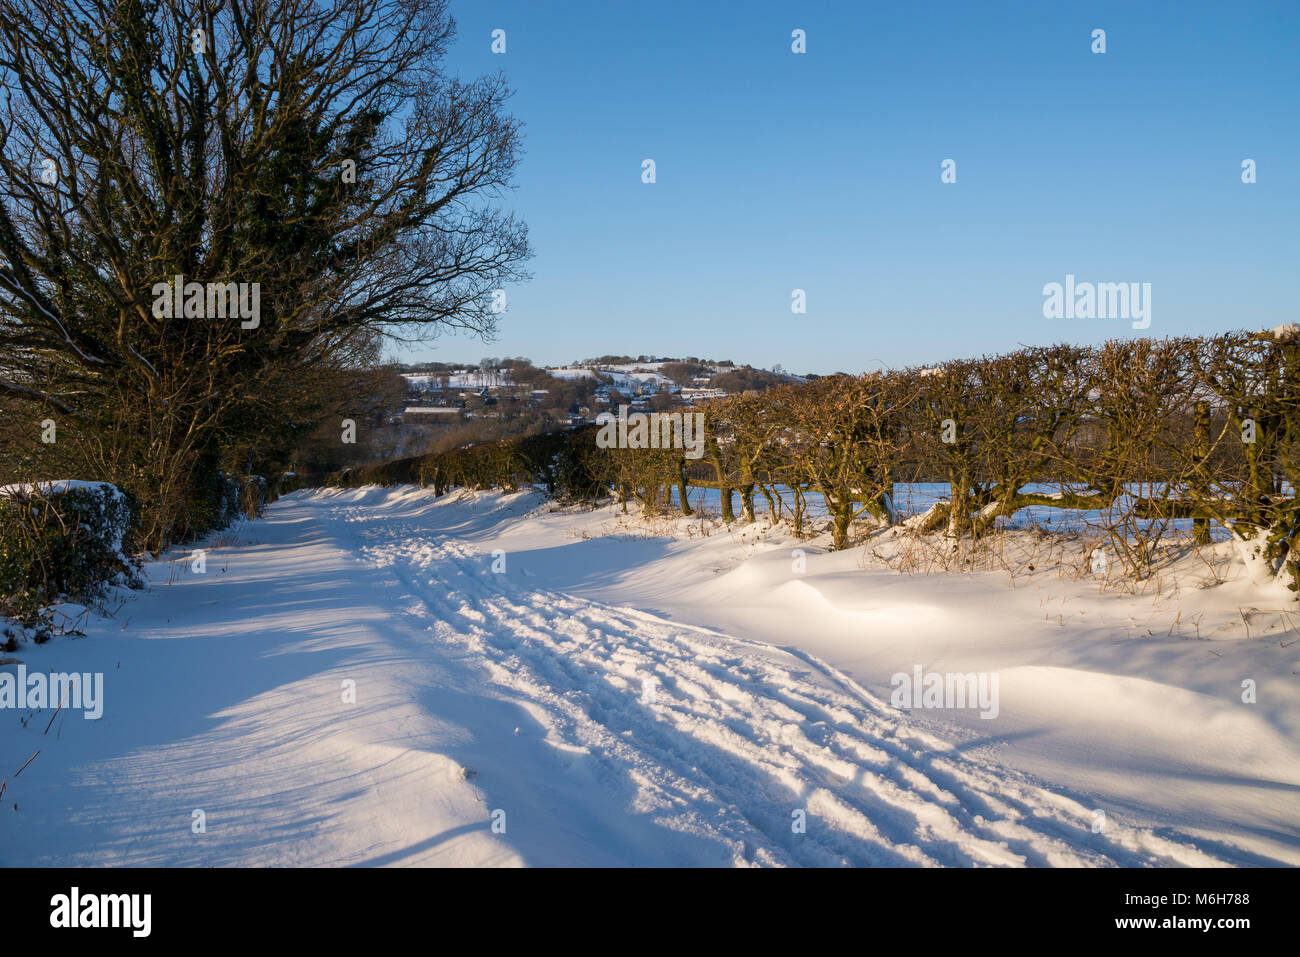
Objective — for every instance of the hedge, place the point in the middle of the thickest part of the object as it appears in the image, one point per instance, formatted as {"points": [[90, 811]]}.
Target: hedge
{"points": [[63, 540]]}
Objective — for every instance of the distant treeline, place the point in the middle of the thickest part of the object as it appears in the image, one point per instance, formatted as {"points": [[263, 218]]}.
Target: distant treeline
{"points": [[1147, 432]]}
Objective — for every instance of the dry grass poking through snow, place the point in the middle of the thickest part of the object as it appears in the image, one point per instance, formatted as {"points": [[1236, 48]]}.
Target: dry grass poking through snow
{"points": [[1165, 567]]}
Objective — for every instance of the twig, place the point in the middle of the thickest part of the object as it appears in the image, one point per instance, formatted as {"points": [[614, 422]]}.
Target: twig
{"points": [[55, 715], [24, 767]]}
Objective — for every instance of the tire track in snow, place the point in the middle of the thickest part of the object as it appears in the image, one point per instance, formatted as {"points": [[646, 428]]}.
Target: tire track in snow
{"points": [[740, 734]]}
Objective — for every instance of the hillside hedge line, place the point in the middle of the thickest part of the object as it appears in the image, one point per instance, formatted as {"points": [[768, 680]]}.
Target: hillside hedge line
{"points": [[1143, 432]]}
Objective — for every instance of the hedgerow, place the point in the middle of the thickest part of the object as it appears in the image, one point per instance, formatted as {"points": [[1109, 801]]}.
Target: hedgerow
{"points": [[1145, 433], [63, 541]]}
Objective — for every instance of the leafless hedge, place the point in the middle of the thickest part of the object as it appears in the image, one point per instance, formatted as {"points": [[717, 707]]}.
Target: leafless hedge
{"points": [[1145, 433]]}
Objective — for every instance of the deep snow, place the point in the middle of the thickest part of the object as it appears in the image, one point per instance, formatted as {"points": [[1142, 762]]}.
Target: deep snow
{"points": [[627, 697]]}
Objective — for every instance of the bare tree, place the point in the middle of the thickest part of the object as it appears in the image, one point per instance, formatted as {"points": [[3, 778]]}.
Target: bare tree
{"points": [[312, 150]]}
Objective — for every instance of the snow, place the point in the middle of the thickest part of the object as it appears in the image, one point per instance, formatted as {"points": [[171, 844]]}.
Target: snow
{"points": [[468, 379], [572, 373], [624, 380], [623, 376], [59, 487], [114, 527], [525, 692]]}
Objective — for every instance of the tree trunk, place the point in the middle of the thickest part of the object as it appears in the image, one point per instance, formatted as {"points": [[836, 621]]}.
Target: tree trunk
{"points": [[959, 510], [724, 490], [728, 515], [1201, 454], [682, 487], [841, 518]]}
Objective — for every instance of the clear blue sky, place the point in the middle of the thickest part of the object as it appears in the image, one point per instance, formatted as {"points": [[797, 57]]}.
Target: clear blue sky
{"points": [[821, 171]]}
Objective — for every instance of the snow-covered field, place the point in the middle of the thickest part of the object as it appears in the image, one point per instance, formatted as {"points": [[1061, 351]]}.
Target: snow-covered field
{"points": [[546, 686]]}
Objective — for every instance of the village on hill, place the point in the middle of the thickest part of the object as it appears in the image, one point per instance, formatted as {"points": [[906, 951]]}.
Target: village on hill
{"points": [[447, 393]]}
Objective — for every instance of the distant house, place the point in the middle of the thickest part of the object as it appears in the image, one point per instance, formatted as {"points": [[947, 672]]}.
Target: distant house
{"points": [[430, 412], [702, 395]]}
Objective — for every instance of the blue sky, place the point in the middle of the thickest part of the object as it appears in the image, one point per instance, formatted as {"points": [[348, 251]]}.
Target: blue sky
{"points": [[821, 171]]}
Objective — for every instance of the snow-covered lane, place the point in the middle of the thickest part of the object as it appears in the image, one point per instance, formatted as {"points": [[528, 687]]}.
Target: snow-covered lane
{"points": [[769, 752], [494, 723]]}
